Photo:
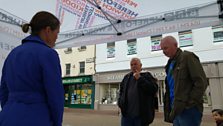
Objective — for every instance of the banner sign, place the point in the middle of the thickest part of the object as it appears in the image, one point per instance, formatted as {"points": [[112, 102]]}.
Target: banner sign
{"points": [[86, 12], [10, 34], [86, 22], [172, 21]]}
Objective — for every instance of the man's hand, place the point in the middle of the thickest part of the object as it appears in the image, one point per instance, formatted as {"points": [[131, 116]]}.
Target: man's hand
{"points": [[136, 75]]}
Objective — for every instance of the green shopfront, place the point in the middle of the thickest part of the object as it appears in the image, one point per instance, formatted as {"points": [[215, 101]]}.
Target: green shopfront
{"points": [[79, 91]]}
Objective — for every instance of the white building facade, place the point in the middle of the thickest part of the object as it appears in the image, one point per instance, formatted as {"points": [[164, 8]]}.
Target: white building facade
{"points": [[112, 63], [78, 69]]}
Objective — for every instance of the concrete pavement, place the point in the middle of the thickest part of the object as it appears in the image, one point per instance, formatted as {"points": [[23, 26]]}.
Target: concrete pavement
{"points": [[87, 117]]}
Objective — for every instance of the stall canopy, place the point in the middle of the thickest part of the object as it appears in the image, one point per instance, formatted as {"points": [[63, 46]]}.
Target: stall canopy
{"points": [[85, 22]]}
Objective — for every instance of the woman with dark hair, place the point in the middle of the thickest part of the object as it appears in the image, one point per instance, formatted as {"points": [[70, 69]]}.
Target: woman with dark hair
{"points": [[31, 91]]}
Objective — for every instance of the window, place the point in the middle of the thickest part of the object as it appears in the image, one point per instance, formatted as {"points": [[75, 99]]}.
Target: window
{"points": [[67, 69], [185, 38], [218, 33], [68, 50], [82, 67], [155, 42], [111, 50], [131, 47], [82, 48]]}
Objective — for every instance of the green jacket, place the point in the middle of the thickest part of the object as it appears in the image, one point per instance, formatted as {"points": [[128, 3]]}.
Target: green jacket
{"points": [[190, 83]]}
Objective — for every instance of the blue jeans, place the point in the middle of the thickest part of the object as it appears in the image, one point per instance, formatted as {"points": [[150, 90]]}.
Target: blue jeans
{"points": [[189, 117], [130, 121]]}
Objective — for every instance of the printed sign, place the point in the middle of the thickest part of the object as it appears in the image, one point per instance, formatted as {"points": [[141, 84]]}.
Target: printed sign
{"points": [[10, 35], [134, 26]]}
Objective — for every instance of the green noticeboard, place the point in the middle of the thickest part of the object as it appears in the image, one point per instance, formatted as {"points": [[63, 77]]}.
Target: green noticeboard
{"points": [[77, 80]]}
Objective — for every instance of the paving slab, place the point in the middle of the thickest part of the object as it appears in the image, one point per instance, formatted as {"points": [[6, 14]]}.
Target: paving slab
{"points": [[88, 117]]}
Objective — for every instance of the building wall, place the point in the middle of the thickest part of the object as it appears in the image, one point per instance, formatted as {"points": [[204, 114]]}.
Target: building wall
{"points": [[109, 72], [76, 56], [214, 72], [203, 46], [80, 92], [154, 61]]}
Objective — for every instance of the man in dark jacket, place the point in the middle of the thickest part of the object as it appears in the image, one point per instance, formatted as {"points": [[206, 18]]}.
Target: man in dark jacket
{"points": [[185, 85], [137, 95]]}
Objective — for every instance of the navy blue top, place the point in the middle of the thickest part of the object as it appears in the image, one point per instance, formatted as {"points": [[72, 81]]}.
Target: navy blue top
{"points": [[31, 91]]}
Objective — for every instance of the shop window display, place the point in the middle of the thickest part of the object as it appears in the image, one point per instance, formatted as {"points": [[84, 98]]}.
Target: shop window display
{"points": [[131, 47], [218, 33], [185, 38], [155, 42], [66, 96], [111, 50], [109, 93], [78, 94]]}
